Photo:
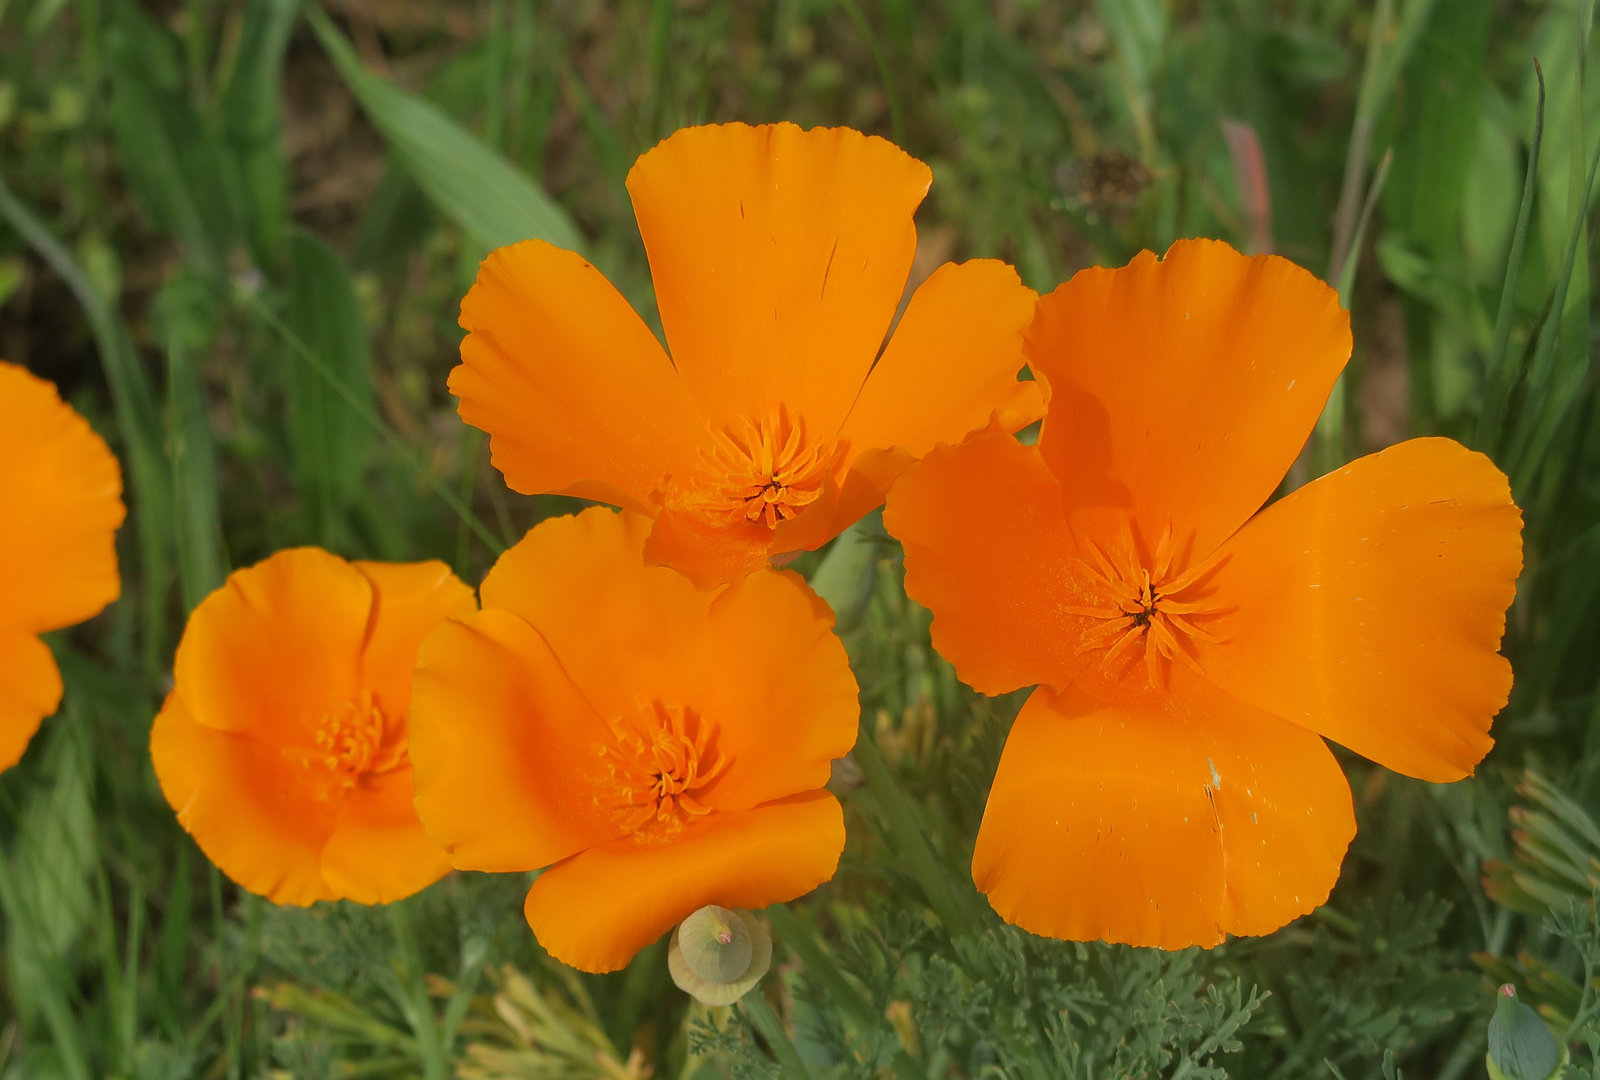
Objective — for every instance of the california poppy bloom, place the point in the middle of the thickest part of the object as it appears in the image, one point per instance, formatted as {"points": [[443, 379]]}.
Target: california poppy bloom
{"points": [[283, 745], [60, 506], [779, 256], [657, 747], [1168, 782]]}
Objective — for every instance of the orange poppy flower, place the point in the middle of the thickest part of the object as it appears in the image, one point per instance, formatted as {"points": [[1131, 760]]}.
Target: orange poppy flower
{"points": [[779, 256], [283, 744], [1168, 783], [658, 747], [61, 494]]}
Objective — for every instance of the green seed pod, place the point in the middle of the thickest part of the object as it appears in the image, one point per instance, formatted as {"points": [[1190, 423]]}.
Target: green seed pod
{"points": [[1521, 1045], [717, 954]]}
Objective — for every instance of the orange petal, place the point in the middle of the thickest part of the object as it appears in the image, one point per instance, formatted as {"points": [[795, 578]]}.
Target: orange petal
{"points": [[504, 747], [987, 549], [574, 391], [597, 909], [778, 256], [278, 644], [772, 642], [30, 691], [1368, 605], [950, 367], [378, 851], [245, 804], [709, 553], [1159, 818], [1183, 389], [409, 600], [61, 496], [623, 631]]}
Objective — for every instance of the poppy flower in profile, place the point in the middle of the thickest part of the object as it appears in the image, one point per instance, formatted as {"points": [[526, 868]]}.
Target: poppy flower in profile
{"points": [[60, 506], [779, 257], [283, 745], [1167, 783], [656, 747]]}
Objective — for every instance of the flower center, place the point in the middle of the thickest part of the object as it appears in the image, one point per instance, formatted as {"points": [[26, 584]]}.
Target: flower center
{"points": [[765, 471], [660, 759], [346, 744], [1145, 609]]}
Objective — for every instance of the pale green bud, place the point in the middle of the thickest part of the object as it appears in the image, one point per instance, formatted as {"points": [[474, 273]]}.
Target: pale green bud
{"points": [[1521, 1045], [717, 954]]}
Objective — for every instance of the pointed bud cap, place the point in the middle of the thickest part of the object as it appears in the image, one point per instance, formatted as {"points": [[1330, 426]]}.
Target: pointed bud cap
{"points": [[717, 954], [1521, 1045]]}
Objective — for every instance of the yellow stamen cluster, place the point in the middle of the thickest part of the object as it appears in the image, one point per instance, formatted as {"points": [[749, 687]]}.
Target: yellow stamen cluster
{"points": [[661, 758]]}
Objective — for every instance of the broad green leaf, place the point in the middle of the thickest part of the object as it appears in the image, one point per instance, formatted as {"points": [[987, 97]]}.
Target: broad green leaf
{"points": [[844, 577], [173, 163], [187, 312], [476, 187], [251, 123], [46, 896], [1437, 141], [330, 436]]}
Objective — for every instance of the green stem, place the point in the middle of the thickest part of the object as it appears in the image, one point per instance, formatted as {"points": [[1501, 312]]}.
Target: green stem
{"points": [[396, 443], [908, 837], [798, 938], [1497, 389], [417, 1005], [764, 1020]]}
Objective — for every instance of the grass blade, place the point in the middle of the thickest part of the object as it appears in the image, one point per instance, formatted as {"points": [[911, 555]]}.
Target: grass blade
{"points": [[331, 444], [196, 517], [137, 420], [476, 187], [1497, 385], [251, 123]]}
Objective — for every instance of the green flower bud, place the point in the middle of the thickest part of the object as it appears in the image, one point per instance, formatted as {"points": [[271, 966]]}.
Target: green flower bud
{"points": [[1521, 1045], [717, 954]]}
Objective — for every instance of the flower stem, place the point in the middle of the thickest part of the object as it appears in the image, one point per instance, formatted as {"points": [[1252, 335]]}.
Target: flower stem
{"points": [[764, 1020], [908, 837], [416, 1004]]}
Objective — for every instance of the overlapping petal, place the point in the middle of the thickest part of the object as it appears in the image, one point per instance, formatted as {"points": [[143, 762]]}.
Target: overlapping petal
{"points": [[1368, 606], [1182, 389], [778, 256], [1156, 818], [576, 394], [408, 601], [504, 747], [29, 692], [988, 551], [61, 493], [248, 805], [622, 630], [377, 851], [591, 911], [278, 644], [778, 688]]}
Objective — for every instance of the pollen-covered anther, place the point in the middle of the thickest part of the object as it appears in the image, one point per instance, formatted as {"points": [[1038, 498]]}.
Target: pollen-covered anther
{"points": [[1150, 609], [346, 744], [765, 471], [661, 758]]}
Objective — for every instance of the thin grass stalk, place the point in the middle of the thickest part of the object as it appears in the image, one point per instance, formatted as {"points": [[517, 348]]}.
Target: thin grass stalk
{"points": [[1501, 370], [377, 423], [765, 1021]]}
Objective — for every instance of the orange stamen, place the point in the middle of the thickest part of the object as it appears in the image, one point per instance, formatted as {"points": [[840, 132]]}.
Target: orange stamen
{"points": [[661, 759], [1148, 609]]}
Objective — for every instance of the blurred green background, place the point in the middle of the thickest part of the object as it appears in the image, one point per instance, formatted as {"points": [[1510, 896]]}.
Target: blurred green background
{"points": [[236, 235]]}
